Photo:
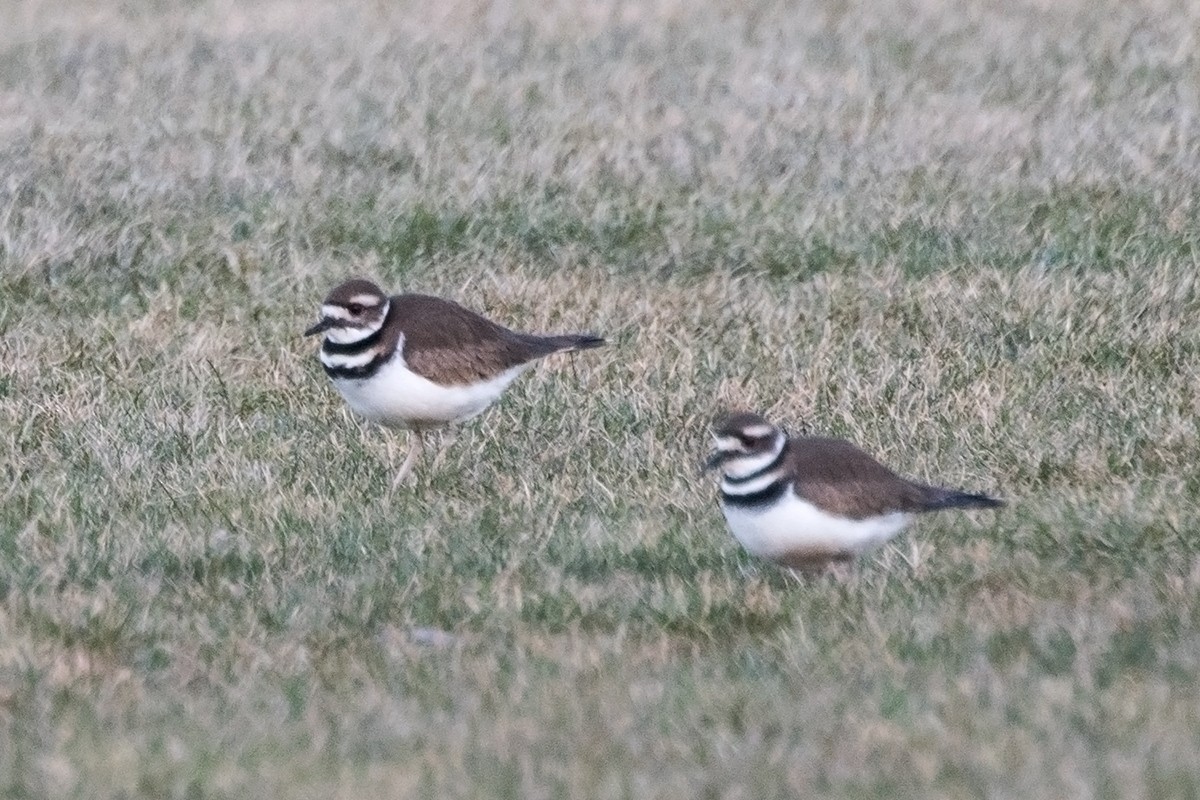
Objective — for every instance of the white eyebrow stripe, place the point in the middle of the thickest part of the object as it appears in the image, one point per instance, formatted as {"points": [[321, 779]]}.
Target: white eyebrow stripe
{"points": [[370, 300], [758, 431]]}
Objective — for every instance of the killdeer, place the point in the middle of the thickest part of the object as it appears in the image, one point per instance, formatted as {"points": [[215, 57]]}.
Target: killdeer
{"points": [[807, 502], [419, 362]]}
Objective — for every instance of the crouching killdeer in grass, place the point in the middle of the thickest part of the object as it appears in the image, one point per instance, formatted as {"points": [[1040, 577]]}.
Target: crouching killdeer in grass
{"points": [[418, 362], [807, 502]]}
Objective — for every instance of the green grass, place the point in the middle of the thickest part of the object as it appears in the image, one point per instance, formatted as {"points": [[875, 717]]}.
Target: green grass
{"points": [[963, 235]]}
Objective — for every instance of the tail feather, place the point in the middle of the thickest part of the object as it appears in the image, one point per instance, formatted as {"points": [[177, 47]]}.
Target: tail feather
{"points": [[949, 498], [570, 342]]}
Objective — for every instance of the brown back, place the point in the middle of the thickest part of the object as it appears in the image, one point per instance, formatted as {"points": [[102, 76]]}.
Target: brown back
{"points": [[842, 479], [450, 344]]}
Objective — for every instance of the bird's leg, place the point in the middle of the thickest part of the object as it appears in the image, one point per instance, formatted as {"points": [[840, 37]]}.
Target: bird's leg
{"points": [[442, 446], [806, 569], [840, 569], [414, 453]]}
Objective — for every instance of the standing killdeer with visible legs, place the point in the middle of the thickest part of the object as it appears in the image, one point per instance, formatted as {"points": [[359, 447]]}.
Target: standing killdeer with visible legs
{"points": [[806, 502], [418, 362]]}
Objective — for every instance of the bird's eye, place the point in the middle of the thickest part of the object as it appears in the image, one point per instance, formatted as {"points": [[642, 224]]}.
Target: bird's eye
{"points": [[747, 441], [354, 308]]}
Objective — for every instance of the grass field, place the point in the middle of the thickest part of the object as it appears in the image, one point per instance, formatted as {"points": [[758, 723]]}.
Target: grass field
{"points": [[965, 235]]}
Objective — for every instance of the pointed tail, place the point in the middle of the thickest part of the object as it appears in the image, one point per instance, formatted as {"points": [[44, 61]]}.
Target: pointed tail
{"points": [[939, 499], [570, 342]]}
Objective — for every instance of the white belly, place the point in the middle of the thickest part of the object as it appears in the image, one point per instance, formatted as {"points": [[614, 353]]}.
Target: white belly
{"points": [[398, 397], [792, 526]]}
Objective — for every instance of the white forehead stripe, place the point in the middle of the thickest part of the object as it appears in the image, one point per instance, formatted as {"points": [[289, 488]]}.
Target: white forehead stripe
{"points": [[759, 431], [328, 310], [727, 443]]}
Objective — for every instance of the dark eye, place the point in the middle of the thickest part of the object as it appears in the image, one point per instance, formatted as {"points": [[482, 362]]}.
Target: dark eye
{"points": [[354, 308], [747, 441]]}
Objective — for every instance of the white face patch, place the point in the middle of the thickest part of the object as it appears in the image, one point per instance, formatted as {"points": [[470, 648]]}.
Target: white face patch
{"points": [[334, 312], [353, 330], [743, 465], [348, 335]]}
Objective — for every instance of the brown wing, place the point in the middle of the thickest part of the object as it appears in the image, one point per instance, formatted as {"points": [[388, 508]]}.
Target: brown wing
{"points": [[839, 477], [452, 345]]}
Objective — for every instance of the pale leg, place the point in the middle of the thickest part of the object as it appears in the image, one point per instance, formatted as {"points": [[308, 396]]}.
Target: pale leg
{"points": [[441, 446], [414, 453], [840, 569]]}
